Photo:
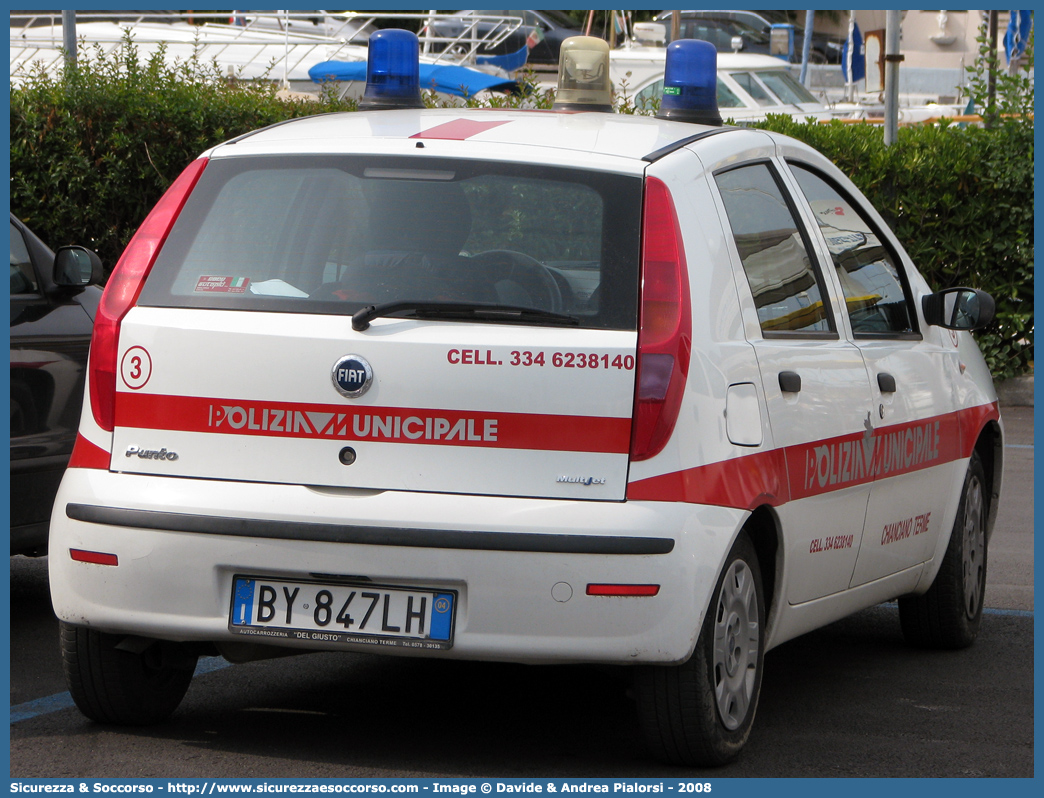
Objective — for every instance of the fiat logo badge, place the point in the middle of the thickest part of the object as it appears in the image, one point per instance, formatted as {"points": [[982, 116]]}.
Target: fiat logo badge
{"points": [[352, 376]]}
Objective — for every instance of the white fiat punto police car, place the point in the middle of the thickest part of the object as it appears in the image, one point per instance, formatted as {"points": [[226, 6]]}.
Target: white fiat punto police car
{"points": [[538, 387]]}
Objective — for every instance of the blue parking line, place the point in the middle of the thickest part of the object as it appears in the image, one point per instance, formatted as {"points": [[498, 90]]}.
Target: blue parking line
{"points": [[41, 706], [60, 701], [210, 664], [892, 605], [1015, 613]]}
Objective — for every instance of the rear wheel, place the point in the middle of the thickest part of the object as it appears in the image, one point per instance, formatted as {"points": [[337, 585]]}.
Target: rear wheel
{"points": [[948, 615], [122, 680], [700, 713]]}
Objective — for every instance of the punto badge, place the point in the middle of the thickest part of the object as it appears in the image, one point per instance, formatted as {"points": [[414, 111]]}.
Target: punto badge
{"points": [[352, 376]]}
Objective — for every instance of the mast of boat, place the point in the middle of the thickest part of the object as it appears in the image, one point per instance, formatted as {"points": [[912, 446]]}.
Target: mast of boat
{"points": [[849, 59], [427, 30], [286, 49], [806, 46], [892, 59], [69, 37]]}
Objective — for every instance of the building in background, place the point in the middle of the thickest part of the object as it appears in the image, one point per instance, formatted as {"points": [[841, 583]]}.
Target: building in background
{"points": [[937, 46]]}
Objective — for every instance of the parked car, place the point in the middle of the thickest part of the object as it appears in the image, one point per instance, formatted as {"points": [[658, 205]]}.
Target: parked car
{"points": [[748, 86], [543, 30], [570, 386], [753, 27], [51, 318]]}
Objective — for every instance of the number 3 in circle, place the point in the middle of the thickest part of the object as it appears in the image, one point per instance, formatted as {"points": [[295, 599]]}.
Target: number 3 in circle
{"points": [[135, 368]]}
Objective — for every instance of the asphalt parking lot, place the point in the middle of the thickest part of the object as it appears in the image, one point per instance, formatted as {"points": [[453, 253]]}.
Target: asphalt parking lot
{"points": [[847, 700], [1010, 581]]}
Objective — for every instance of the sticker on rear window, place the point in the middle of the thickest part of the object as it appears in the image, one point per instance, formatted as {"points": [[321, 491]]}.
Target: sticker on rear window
{"points": [[221, 285]]}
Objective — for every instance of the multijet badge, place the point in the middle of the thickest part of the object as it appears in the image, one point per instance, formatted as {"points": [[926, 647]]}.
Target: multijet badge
{"points": [[352, 376]]}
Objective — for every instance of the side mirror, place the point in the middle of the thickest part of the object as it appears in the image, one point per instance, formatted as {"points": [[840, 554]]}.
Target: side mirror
{"points": [[77, 267], [959, 309], [737, 43]]}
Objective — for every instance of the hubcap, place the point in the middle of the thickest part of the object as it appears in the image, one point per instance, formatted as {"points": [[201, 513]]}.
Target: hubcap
{"points": [[736, 645], [974, 559]]}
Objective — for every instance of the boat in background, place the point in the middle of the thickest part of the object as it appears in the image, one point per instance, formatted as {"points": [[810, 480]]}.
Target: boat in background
{"points": [[277, 46], [751, 86]]}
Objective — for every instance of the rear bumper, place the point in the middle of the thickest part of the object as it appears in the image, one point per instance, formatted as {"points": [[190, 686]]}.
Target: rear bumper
{"points": [[520, 566]]}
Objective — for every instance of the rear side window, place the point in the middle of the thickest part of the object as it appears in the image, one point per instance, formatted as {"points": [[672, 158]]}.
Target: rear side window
{"points": [[23, 277], [324, 234], [787, 289]]}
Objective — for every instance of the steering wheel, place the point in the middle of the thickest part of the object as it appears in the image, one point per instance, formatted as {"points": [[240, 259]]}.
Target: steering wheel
{"points": [[525, 272]]}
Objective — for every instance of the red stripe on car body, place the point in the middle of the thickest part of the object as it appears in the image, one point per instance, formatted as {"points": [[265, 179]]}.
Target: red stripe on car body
{"points": [[457, 130], [771, 477], [818, 467], [493, 429], [86, 455], [743, 482]]}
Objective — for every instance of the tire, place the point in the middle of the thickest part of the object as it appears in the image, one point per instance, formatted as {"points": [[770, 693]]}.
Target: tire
{"points": [[137, 685], [700, 713], [948, 615]]}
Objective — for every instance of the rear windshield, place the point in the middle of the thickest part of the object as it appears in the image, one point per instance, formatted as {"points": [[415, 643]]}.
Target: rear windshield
{"points": [[333, 234]]}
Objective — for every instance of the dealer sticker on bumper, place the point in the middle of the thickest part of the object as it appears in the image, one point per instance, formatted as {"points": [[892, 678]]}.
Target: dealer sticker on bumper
{"points": [[332, 613]]}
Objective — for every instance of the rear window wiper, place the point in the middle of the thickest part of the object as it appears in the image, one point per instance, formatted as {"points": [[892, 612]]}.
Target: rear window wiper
{"points": [[460, 310]]}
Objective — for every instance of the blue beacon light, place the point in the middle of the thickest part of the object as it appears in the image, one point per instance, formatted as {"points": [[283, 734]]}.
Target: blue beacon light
{"points": [[392, 71], [690, 83]]}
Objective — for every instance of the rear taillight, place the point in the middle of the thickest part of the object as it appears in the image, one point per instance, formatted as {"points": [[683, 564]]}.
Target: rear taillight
{"points": [[123, 287], [665, 325]]}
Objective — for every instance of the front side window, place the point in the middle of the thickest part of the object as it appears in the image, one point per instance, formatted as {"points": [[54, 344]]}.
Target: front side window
{"points": [[559, 18], [749, 84], [787, 290], [784, 86], [874, 295], [23, 277], [333, 234], [720, 33], [648, 99]]}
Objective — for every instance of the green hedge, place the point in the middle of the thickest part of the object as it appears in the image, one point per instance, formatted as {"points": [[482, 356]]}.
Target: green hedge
{"points": [[960, 199], [92, 152]]}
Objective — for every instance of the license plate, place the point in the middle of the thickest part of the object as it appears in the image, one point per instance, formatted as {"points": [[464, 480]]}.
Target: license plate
{"points": [[330, 613]]}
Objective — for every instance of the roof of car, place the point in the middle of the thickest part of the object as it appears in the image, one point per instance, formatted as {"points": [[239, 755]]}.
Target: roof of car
{"points": [[749, 61], [726, 61], [602, 137]]}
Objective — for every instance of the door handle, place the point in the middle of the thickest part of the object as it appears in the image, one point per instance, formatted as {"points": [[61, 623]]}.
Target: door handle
{"points": [[886, 382], [789, 381]]}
